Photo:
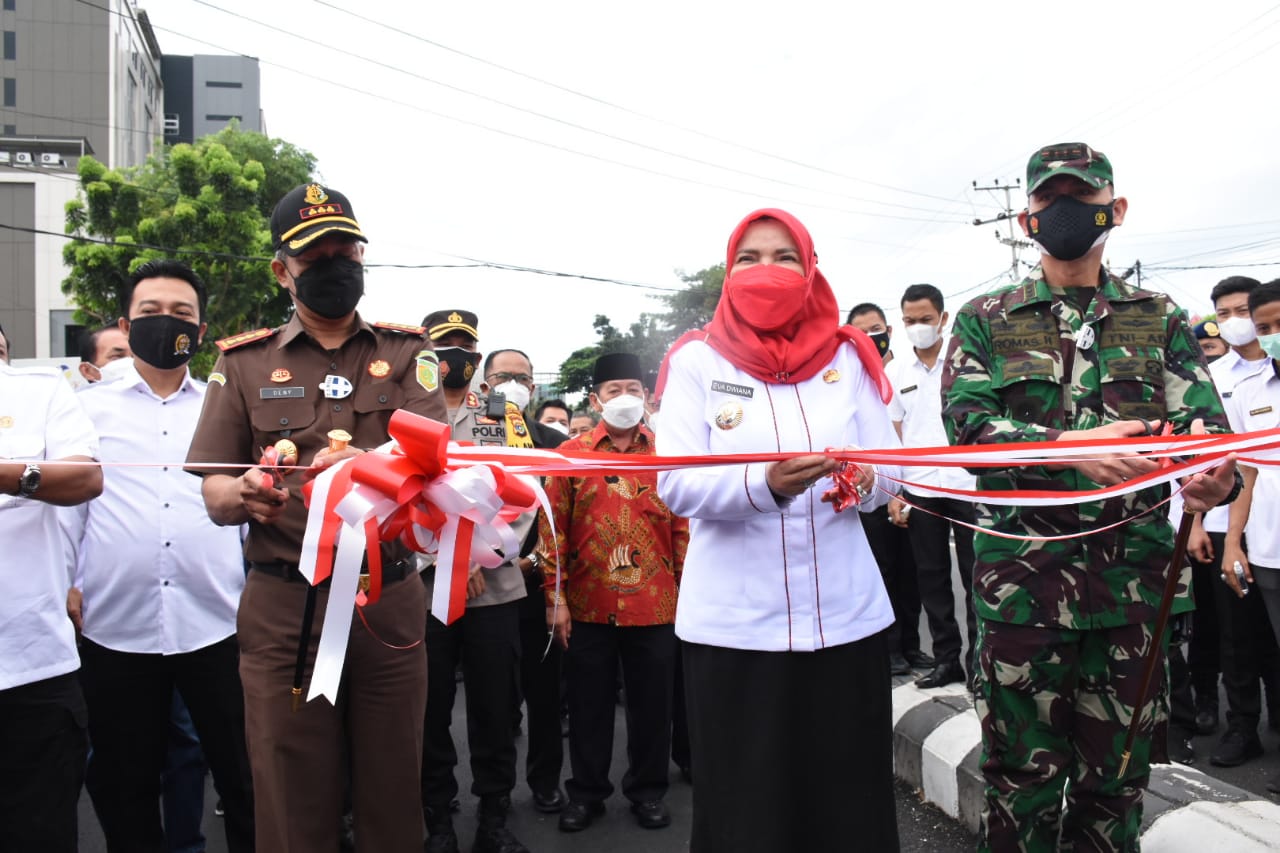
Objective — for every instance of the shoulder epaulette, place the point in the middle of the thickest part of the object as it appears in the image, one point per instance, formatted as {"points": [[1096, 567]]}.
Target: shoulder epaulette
{"points": [[228, 344], [473, 402], [403, 328]]}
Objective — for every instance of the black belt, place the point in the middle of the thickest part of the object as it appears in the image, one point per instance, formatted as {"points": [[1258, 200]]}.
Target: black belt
{"points": [[391, 572]]}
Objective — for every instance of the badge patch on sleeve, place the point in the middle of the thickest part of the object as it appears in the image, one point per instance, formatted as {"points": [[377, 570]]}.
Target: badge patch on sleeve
{"points": [[428, 370]]}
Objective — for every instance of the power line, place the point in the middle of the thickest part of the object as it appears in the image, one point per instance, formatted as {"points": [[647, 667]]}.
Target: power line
{"points": [[474, 263], [625, 109], [513, 135], [548, 117]]}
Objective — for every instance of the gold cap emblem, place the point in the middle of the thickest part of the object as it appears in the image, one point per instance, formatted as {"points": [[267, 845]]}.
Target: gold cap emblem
{"points": [[316, 194], [455, 317]]}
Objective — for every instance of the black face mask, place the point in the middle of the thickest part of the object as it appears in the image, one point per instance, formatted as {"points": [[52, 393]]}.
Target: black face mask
{"points": [[1068, 228], [163, 341], [881, 340], [461, 366], [331, 287]]}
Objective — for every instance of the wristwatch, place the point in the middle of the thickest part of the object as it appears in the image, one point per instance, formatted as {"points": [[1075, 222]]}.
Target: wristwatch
{"points": [[29, 480]]}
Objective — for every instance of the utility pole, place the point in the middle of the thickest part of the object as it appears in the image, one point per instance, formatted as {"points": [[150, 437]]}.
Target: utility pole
{"points": [[1009, 217]]}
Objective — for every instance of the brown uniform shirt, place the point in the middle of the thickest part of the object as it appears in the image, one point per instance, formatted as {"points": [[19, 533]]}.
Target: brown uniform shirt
{"points": [[270, 389]]}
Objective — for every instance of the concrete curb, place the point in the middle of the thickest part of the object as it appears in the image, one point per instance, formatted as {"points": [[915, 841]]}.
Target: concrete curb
{"points": [[937, 744]]}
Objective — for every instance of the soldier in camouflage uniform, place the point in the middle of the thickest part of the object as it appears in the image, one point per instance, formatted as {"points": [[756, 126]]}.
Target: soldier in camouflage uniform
{"points": [[1071, 352]]}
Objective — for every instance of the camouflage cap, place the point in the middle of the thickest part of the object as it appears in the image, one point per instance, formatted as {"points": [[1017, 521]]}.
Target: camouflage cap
{"points": [[1069, 158]]}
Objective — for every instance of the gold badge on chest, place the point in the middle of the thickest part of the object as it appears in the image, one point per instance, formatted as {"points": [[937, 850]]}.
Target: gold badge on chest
{"points": [[729, 415]]}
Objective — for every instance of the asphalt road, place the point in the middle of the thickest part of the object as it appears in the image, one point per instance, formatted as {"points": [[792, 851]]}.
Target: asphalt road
{"points": [[923, 828]]}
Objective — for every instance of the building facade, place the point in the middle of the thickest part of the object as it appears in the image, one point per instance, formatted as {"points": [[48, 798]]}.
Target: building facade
{"points": [[75, 78], [203, 93]]}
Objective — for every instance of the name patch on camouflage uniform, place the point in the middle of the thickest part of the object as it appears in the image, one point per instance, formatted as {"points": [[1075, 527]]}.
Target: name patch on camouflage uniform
{"points": [[1135, 324], [1144, 369], [1024, 333]]}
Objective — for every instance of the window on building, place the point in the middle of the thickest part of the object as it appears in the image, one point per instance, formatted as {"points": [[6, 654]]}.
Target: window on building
{"points": [[10, 44], [10, 91], [10, 130], [223, 84], [8, 5], [222, 118]]}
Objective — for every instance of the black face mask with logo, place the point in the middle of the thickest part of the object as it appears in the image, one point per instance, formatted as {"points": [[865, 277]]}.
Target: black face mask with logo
{"points": [[881, 340], [1068, 228], [331, 287], [461, 365], [163, 341]]}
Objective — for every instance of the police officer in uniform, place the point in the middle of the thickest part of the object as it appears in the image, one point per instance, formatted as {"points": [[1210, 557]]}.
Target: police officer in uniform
{"points": [[486, 639], [326, 369], [1072, 352]]}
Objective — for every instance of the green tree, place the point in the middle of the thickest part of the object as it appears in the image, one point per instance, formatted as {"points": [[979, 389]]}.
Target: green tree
{"points": [[650, 336], [206, 204]]}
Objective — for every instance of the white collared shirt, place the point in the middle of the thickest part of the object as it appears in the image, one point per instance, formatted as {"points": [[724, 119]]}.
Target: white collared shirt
{"points": [[917, 405], [40, 418], [158, 576], [1255, 405], [796, 577], [1227, 372]]}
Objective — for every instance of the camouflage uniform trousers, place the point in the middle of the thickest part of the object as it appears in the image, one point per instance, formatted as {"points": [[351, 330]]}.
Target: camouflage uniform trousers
{"points": [[1055, 705]]}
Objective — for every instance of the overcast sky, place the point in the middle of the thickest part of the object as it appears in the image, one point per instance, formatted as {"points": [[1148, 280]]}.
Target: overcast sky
{"points": [[625, 141]]}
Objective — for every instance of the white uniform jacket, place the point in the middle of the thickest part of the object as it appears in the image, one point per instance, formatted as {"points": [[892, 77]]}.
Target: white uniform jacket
{"points": [[760, 575]]}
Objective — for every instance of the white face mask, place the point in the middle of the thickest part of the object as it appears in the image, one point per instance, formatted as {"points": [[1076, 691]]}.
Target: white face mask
{"points": [[515, 393], [1237, 331], [557, 426], [922, 335], [623, 411], [113, 370]]}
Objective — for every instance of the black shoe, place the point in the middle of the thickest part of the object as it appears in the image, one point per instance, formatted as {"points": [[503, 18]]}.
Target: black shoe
{"points": [[919, 660], [651, 815], [1206, 721], [1235, 749], [942, 675], [578, 816], [496, 839], [441, 840], [1180, 750], [898, 665], [550, 802]]}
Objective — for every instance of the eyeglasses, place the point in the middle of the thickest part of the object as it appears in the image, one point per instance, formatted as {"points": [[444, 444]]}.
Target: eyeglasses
{"points": [[499, 378]]}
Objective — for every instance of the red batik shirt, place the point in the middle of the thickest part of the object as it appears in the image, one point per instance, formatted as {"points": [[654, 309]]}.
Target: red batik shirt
{"points": [[620, 549]]}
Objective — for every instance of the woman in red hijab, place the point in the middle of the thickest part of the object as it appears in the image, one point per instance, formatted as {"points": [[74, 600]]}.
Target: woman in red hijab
{"points": [[781, 605]]}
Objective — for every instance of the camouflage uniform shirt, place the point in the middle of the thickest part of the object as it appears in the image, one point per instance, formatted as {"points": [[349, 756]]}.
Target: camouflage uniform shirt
{"points": [[1026, 363]]}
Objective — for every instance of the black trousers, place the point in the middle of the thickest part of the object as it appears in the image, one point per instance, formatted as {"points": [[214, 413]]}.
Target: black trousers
{"points": [[648, 673], [792, 750], [540, 684], [129, 696], [931, 546], [1204, 655], [891, 546], [1249, 653], [487, 642], [680, 751], [43, 746]]}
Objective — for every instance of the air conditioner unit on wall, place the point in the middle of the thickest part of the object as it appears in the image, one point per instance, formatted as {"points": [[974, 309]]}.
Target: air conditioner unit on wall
{"points": [[47, 159], [23, 158]]}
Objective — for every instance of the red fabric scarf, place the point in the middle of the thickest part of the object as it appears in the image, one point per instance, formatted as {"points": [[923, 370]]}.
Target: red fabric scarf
{"points": [[776, 324]]}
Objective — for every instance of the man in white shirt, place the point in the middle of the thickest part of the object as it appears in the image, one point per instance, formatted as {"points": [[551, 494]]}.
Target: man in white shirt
{"points": [[1248, 652], [889, 543], [42, 712], [161, 582], [916, 410], [1255, 405]]}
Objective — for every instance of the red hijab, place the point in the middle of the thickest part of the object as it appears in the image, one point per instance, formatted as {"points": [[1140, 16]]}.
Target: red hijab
{"points": [[778, 325]]}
